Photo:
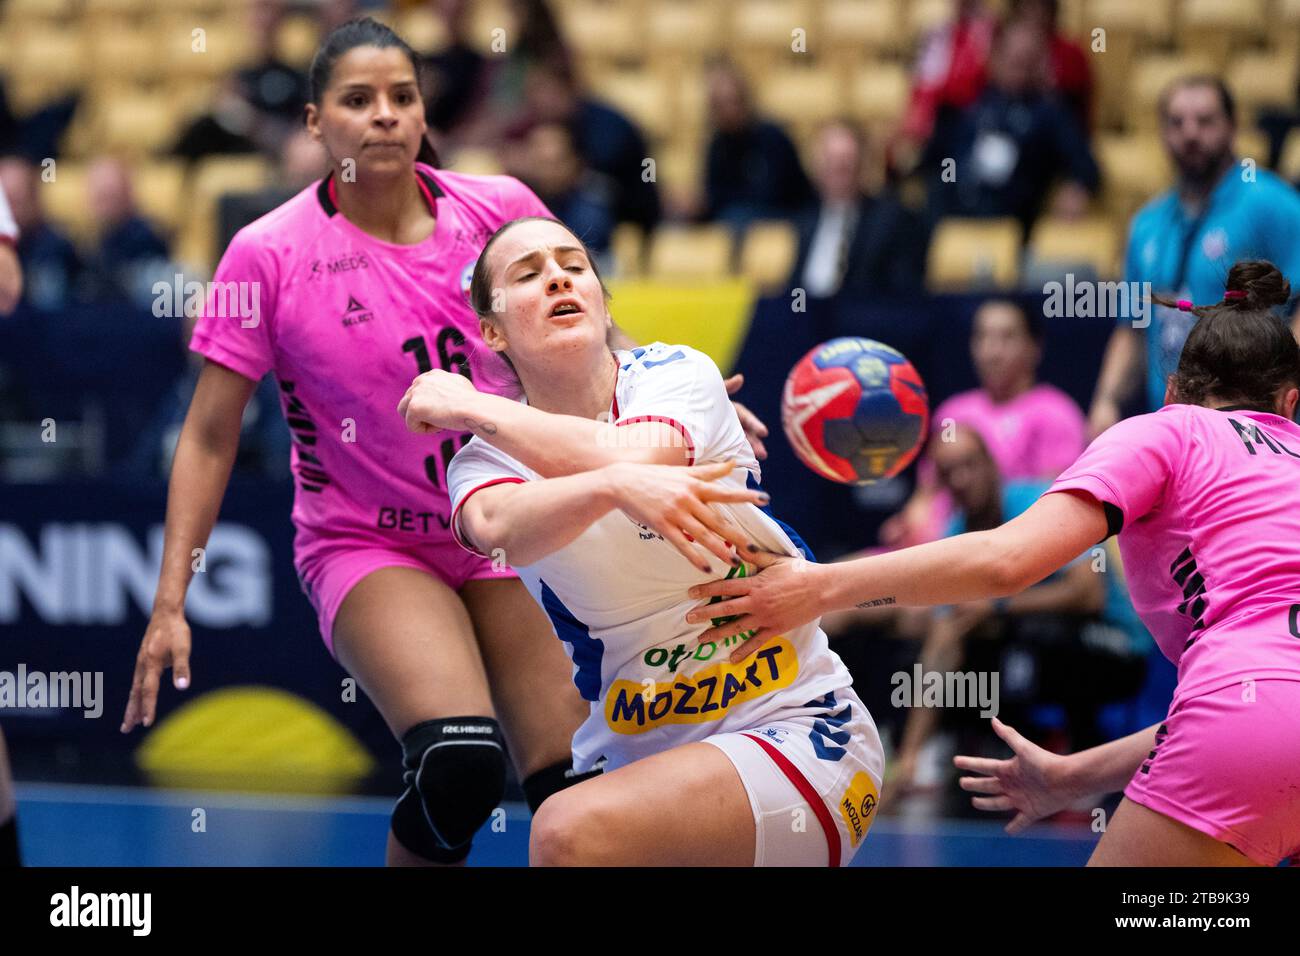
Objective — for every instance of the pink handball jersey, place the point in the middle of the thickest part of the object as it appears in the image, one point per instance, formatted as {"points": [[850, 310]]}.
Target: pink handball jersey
{"points": [[346, 321], [1210, 507]]}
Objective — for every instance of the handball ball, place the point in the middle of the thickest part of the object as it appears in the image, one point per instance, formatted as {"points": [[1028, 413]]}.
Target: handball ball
{"points": [[855, 410]]}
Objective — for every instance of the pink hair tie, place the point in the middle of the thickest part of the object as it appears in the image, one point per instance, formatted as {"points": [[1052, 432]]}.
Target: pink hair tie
{"points": [[1185, 304], [1234, 294]]}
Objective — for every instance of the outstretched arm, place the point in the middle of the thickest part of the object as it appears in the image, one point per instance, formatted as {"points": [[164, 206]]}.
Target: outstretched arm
{"points": [[982, 564], [551, 445], [531, 519]]}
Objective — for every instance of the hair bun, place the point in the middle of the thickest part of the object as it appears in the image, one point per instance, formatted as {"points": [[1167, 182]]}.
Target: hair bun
{"points": [[1263, 284]]}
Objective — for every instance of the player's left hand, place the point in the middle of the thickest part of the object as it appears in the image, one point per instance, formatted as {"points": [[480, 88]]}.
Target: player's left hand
{"points": [[785, 593], [436, 401], [755, 430]]}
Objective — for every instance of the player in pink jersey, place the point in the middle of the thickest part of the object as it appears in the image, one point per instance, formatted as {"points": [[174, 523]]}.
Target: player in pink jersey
{"points": [[345, 292], [1205, 498]]}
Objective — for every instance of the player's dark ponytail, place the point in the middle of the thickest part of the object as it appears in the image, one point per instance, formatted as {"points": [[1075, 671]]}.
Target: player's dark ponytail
{"points": [[1239, 352], [365, 31]]}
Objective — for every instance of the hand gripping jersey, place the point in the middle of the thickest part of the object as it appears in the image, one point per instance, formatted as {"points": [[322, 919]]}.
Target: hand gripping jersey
{"points": [[346, 321], [1211, 536], [617, 594]]}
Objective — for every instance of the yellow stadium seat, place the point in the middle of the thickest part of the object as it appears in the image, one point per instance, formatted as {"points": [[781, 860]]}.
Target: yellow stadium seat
{"points": [[423, 29], [690, 253], [49, 57], [1252, 144], [1093, 242], [64, 198], [202, 48], [136, 124], [768, 252], [124, 52], [800, 97], [974, 254], [1150, 78], [603, 31], [213, 178], [476, 162], [160, 191], [1288, 164], [1217, 31], [926, 15], [1261, 80], [870, 26], [764, 26], [628, 246], [25, 11], [879, 93], [1133, 169], [682, 31], [1150, 20], [297, 39], [643, 96]]}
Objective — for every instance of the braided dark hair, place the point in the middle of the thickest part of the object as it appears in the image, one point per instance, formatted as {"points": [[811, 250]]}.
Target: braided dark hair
{"points": [[1239, 352]]}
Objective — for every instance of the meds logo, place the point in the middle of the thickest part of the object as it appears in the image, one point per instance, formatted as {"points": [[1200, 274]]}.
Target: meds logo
{"points": [[858, 805]]}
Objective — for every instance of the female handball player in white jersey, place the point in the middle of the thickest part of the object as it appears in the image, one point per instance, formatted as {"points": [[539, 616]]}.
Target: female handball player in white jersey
{"points": [[359, 281], [620, 480]]}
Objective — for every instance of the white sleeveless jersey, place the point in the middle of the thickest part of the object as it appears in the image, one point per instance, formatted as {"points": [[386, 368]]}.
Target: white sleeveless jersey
{"points": [[617, 595]]}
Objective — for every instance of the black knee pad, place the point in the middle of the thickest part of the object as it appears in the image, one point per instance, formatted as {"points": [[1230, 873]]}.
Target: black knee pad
{"points": [[553, 779], [455, 777]]}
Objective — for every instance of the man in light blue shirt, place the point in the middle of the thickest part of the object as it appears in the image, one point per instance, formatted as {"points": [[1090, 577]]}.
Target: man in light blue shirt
{"points": [[1221, 210]]}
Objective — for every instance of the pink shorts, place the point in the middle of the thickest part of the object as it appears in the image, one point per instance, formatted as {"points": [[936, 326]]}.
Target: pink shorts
{"points": [[1227, 763], [329, 568]]}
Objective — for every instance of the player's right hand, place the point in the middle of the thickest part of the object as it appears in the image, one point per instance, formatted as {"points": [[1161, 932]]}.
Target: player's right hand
{"points": [[166, 644], [674, 502], [1031, 782]]}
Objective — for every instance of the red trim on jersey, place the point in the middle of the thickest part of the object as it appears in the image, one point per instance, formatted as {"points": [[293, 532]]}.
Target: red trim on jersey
{"points": [[808, 793], [690, 444], [455, 514], [8, 240]]}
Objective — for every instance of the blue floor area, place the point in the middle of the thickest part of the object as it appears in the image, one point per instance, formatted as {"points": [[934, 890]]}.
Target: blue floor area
{"points": [[65, 825]]}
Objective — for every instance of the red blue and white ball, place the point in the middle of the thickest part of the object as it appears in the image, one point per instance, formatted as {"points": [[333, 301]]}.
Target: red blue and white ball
{"points": [[855, 410]]}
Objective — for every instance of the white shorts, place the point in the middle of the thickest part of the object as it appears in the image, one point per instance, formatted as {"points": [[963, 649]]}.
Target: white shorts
{"points": [[813, 776]]}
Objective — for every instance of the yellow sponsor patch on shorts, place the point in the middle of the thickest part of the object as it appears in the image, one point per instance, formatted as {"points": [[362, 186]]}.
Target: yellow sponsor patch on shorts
{"points": [[634, 708], [858, 806]]}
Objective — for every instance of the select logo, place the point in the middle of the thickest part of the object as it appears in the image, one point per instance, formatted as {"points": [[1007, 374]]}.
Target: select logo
{"points": [[76, 908]]}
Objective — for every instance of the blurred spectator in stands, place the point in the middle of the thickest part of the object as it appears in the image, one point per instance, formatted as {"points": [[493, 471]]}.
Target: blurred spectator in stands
{"points": [[258, 107], [752, 169], [608, 142], [36, 135], [848, 241], [51, 266], [1071, 77], [128, 254], [264, 438], [1033, 430], [949, 74], [1184, 240], [453, 81], [579, 197], [11, 270], [534, 50], [302, 162], [1049, 644], [1012, 143]]}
